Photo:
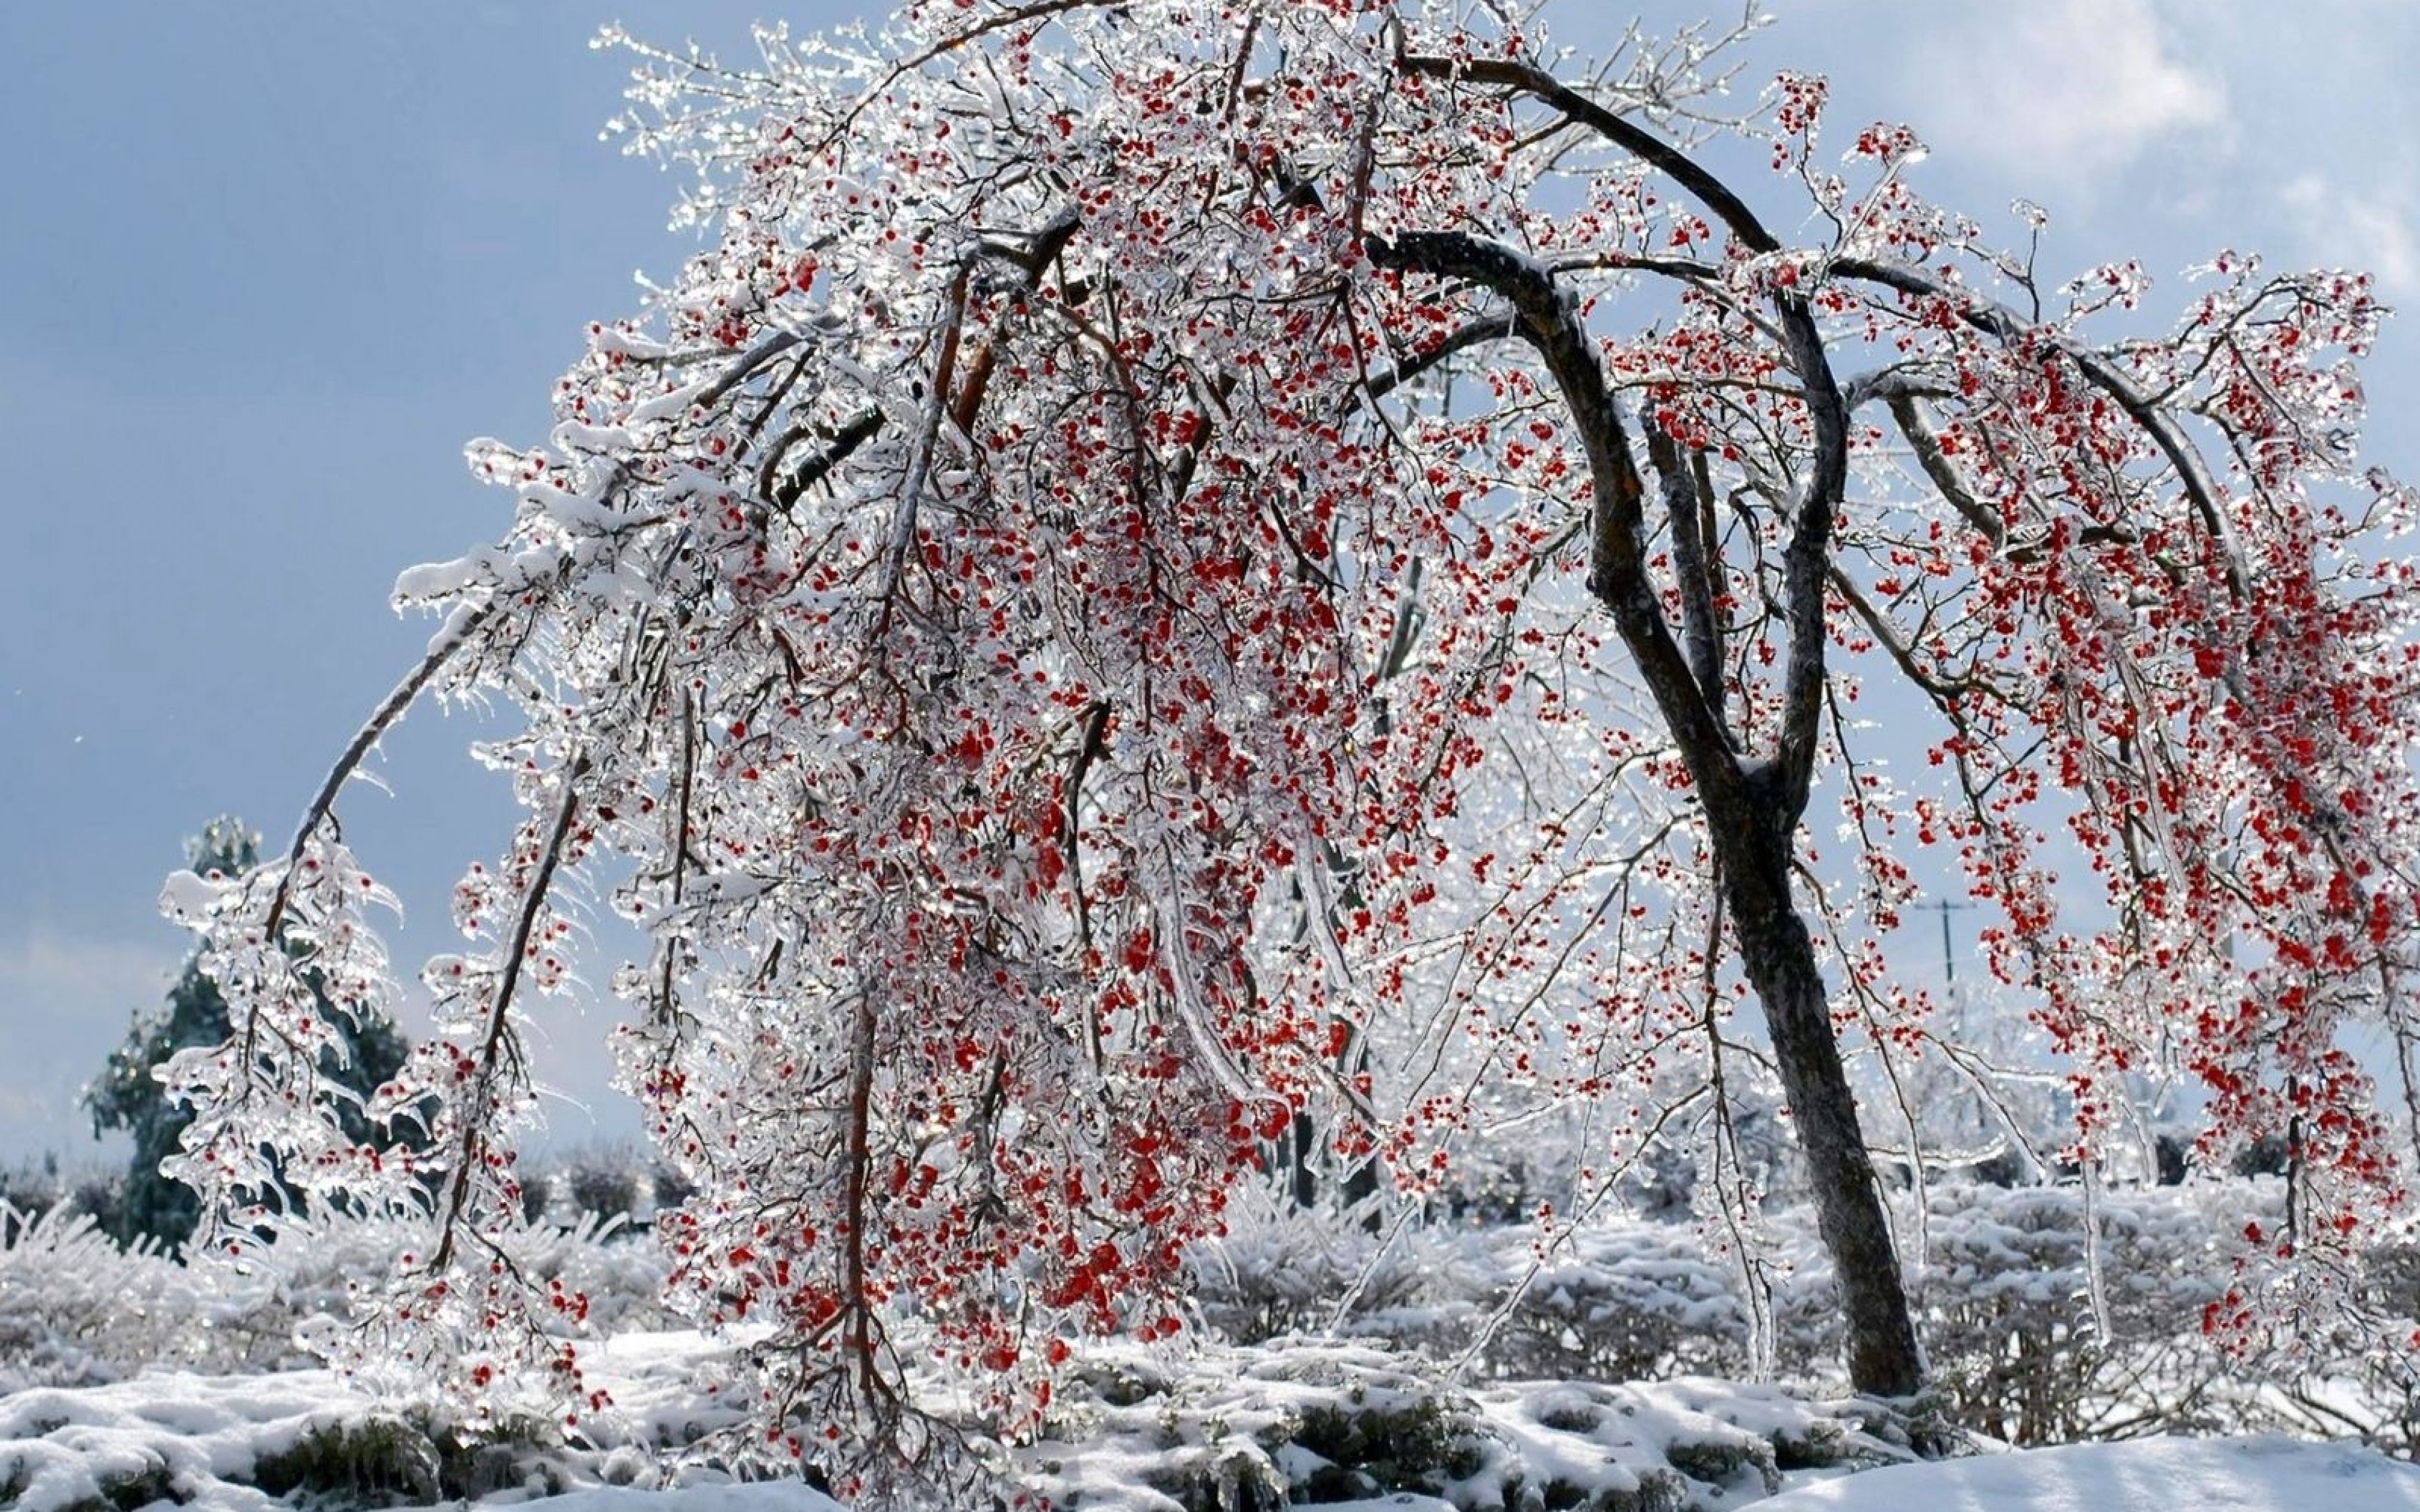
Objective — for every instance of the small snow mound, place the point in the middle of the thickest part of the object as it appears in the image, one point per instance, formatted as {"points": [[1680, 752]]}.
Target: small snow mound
{"points": [[762, 1496], [2249, 1474]]}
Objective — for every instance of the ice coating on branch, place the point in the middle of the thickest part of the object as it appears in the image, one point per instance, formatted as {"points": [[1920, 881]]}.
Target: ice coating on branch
{"points": [[190, 898], [435, 581]]}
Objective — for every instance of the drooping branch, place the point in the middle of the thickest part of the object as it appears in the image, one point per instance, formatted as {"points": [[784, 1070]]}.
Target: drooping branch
{"points": [[1666, 158], [492, 1046], [465, 624], [1938, 468], [1475, 333], [746, 366], [928, 433], [2005, 325], [1041, 249], [783, 493]]}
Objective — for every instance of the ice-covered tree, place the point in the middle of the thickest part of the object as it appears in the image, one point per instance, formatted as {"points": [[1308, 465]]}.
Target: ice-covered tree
{"points": [[128, 1094], [1161, 546]]}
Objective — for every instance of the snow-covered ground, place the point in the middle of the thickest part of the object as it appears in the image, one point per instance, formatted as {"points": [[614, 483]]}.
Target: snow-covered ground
{"points": [[1137, 1431], [1232, 1428], [2241, 1474]]}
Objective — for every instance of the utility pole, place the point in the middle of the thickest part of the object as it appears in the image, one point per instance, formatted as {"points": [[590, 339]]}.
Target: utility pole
{"points": [[1948, 960]]}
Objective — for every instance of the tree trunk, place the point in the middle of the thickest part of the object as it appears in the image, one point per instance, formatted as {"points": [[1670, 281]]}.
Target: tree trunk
{"points": [[1884, 1360], [1752, 807]]}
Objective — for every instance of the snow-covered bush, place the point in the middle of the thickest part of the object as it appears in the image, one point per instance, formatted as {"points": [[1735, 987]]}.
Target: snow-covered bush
{"points": [[1632, 1302], [2037, 1339], [1281, 1271], [76, 1309]]}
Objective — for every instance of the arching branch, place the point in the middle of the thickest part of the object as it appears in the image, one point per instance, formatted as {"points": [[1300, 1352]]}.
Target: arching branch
{"points": [[1618, 574]]}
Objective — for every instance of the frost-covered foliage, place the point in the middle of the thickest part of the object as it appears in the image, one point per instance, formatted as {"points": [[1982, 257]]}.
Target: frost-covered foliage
{"points": [[1067, 691], [128, 1094], [76, 1309]]}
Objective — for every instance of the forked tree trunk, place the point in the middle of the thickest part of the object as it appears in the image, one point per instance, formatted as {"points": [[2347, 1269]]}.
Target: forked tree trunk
{"points": [[1752, 806]]}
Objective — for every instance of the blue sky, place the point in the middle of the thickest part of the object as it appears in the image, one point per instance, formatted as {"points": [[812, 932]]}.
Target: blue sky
{"points": [[270, 265]]}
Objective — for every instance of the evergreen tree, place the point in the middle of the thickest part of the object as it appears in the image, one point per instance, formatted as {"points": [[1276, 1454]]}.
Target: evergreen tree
{"points": [[127, 1096]]}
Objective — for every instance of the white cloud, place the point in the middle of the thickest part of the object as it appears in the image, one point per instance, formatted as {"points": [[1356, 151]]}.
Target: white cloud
{"points": [[2350, 228], [2066, 89]]}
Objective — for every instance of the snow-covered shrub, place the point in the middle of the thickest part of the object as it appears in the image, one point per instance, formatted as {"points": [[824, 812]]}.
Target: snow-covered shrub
{"points": [[602, 1184], [1621, 1298], [537, 1196], [27, 1192], [1632, 1302], [2036, 1340], [76, 1309], [1282, 1271], [668, 1187]]}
